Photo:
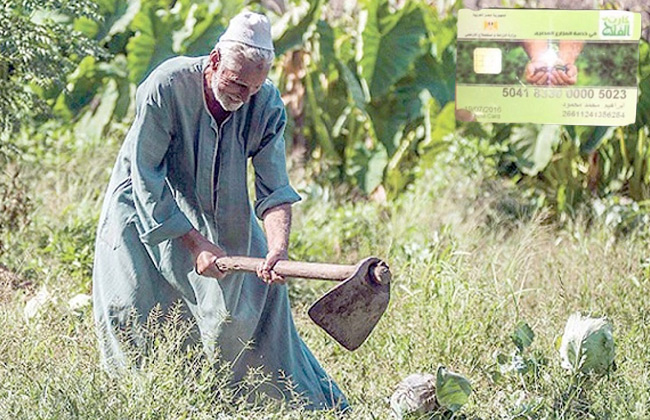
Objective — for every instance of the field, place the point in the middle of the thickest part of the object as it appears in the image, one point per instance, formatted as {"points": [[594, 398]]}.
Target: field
{"points": [[496, 234], [466, 272]]}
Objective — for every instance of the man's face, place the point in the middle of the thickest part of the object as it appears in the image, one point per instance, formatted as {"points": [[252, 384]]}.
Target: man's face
{"points": [[233, 87]]}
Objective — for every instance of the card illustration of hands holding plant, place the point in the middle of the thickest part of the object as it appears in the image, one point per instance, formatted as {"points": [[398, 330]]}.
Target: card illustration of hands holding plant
{"points": [[573, 67]]}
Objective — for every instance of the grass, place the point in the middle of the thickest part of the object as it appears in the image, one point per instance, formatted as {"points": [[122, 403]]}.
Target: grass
{"points": [[464, 276], [460, 289]]}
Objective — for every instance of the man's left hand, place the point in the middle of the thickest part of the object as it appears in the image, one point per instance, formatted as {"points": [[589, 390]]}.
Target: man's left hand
{"points": [[564, 78], [265, 270]]}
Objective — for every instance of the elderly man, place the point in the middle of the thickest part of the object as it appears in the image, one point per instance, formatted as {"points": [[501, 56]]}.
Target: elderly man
{"points": [[178, 199]]}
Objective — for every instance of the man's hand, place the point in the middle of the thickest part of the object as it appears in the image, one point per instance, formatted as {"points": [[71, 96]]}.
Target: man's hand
{"points": [[205, 254], [568, 77], [265, 270], [277, 223], [568, 54], [537, 73]]}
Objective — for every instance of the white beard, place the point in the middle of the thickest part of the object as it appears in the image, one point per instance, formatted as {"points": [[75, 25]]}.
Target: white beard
{"points": [[226, 102]]}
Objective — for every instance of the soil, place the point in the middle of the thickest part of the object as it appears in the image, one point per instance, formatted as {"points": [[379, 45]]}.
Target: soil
{"points": [[9, 283]]}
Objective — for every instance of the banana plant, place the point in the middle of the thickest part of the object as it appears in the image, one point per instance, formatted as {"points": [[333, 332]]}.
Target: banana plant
{"points": [[99, 90], [139, 35], [407, 68], [165, 28], [377, 90]]}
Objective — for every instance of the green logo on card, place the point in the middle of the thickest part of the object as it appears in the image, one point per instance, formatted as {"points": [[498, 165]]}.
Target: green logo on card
{"points": [[615, 25]]}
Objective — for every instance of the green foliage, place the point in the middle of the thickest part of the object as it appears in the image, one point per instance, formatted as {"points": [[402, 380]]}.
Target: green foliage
{"points": [[377, 99], [117, 14], [292, 36], [389, 43], [99, 90], [587, 345], [38, 50], [522, 336], [34, 244], [452, 389], [55, 374], [152, 43], [460, 290], [139, 36], [624, 163], [72, 245], [533, 146], [566, 168], [643, 107], [625, 216]]}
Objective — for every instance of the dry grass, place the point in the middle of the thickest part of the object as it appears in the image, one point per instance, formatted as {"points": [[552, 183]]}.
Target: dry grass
{"points": [[465, 275]]}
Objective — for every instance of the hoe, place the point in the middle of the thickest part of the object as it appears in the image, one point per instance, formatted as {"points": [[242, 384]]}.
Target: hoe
{"points": [[349, 311]]}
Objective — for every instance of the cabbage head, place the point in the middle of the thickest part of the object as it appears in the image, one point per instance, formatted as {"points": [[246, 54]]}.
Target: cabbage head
{"points": [[587, 345]]}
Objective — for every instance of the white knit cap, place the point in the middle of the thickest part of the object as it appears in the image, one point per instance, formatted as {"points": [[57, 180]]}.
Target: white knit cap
{"points": [[249, 28]]}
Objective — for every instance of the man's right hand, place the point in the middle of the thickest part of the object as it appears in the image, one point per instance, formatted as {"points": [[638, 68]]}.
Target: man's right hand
{"points": [[536, 73], [565, 77], [205, 254]]}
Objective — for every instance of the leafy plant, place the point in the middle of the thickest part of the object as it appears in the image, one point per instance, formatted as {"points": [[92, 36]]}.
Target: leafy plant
{"points": [[378, 98], [137, 37], [452, 389], [519, 361], [38, 50], [587, 345]]}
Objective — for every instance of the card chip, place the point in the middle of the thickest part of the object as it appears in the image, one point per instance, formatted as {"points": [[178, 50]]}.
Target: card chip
{"points": [[487, 60]]}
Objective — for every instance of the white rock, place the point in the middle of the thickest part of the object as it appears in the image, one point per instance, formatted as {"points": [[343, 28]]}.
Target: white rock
{"points": [[79, 301], [416, 394], [36, 303]]}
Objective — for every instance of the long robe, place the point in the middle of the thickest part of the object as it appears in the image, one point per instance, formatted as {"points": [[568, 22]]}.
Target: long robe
{"points": [[178, 170]]}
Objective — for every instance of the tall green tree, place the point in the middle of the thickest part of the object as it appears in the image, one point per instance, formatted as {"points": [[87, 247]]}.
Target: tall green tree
{"points": [[38, 48]]}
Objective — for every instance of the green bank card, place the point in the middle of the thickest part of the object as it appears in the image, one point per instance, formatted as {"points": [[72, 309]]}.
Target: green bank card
{"points": [[573, 67]]}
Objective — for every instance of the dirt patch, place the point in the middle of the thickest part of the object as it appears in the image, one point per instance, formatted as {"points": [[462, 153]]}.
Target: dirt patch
{"points": [[10, 282]]}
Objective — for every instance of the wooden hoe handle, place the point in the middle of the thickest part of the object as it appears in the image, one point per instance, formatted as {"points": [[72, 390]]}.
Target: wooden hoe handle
{"points": [[286, 268]]}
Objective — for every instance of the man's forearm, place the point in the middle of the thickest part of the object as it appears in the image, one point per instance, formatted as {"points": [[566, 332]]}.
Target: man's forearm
{"points": [[569, 50], [535, 48], [277, 224], [204, 253]]}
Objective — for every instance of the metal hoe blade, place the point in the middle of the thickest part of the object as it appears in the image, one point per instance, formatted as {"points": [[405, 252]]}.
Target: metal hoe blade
{"points": [[350, 311]]}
